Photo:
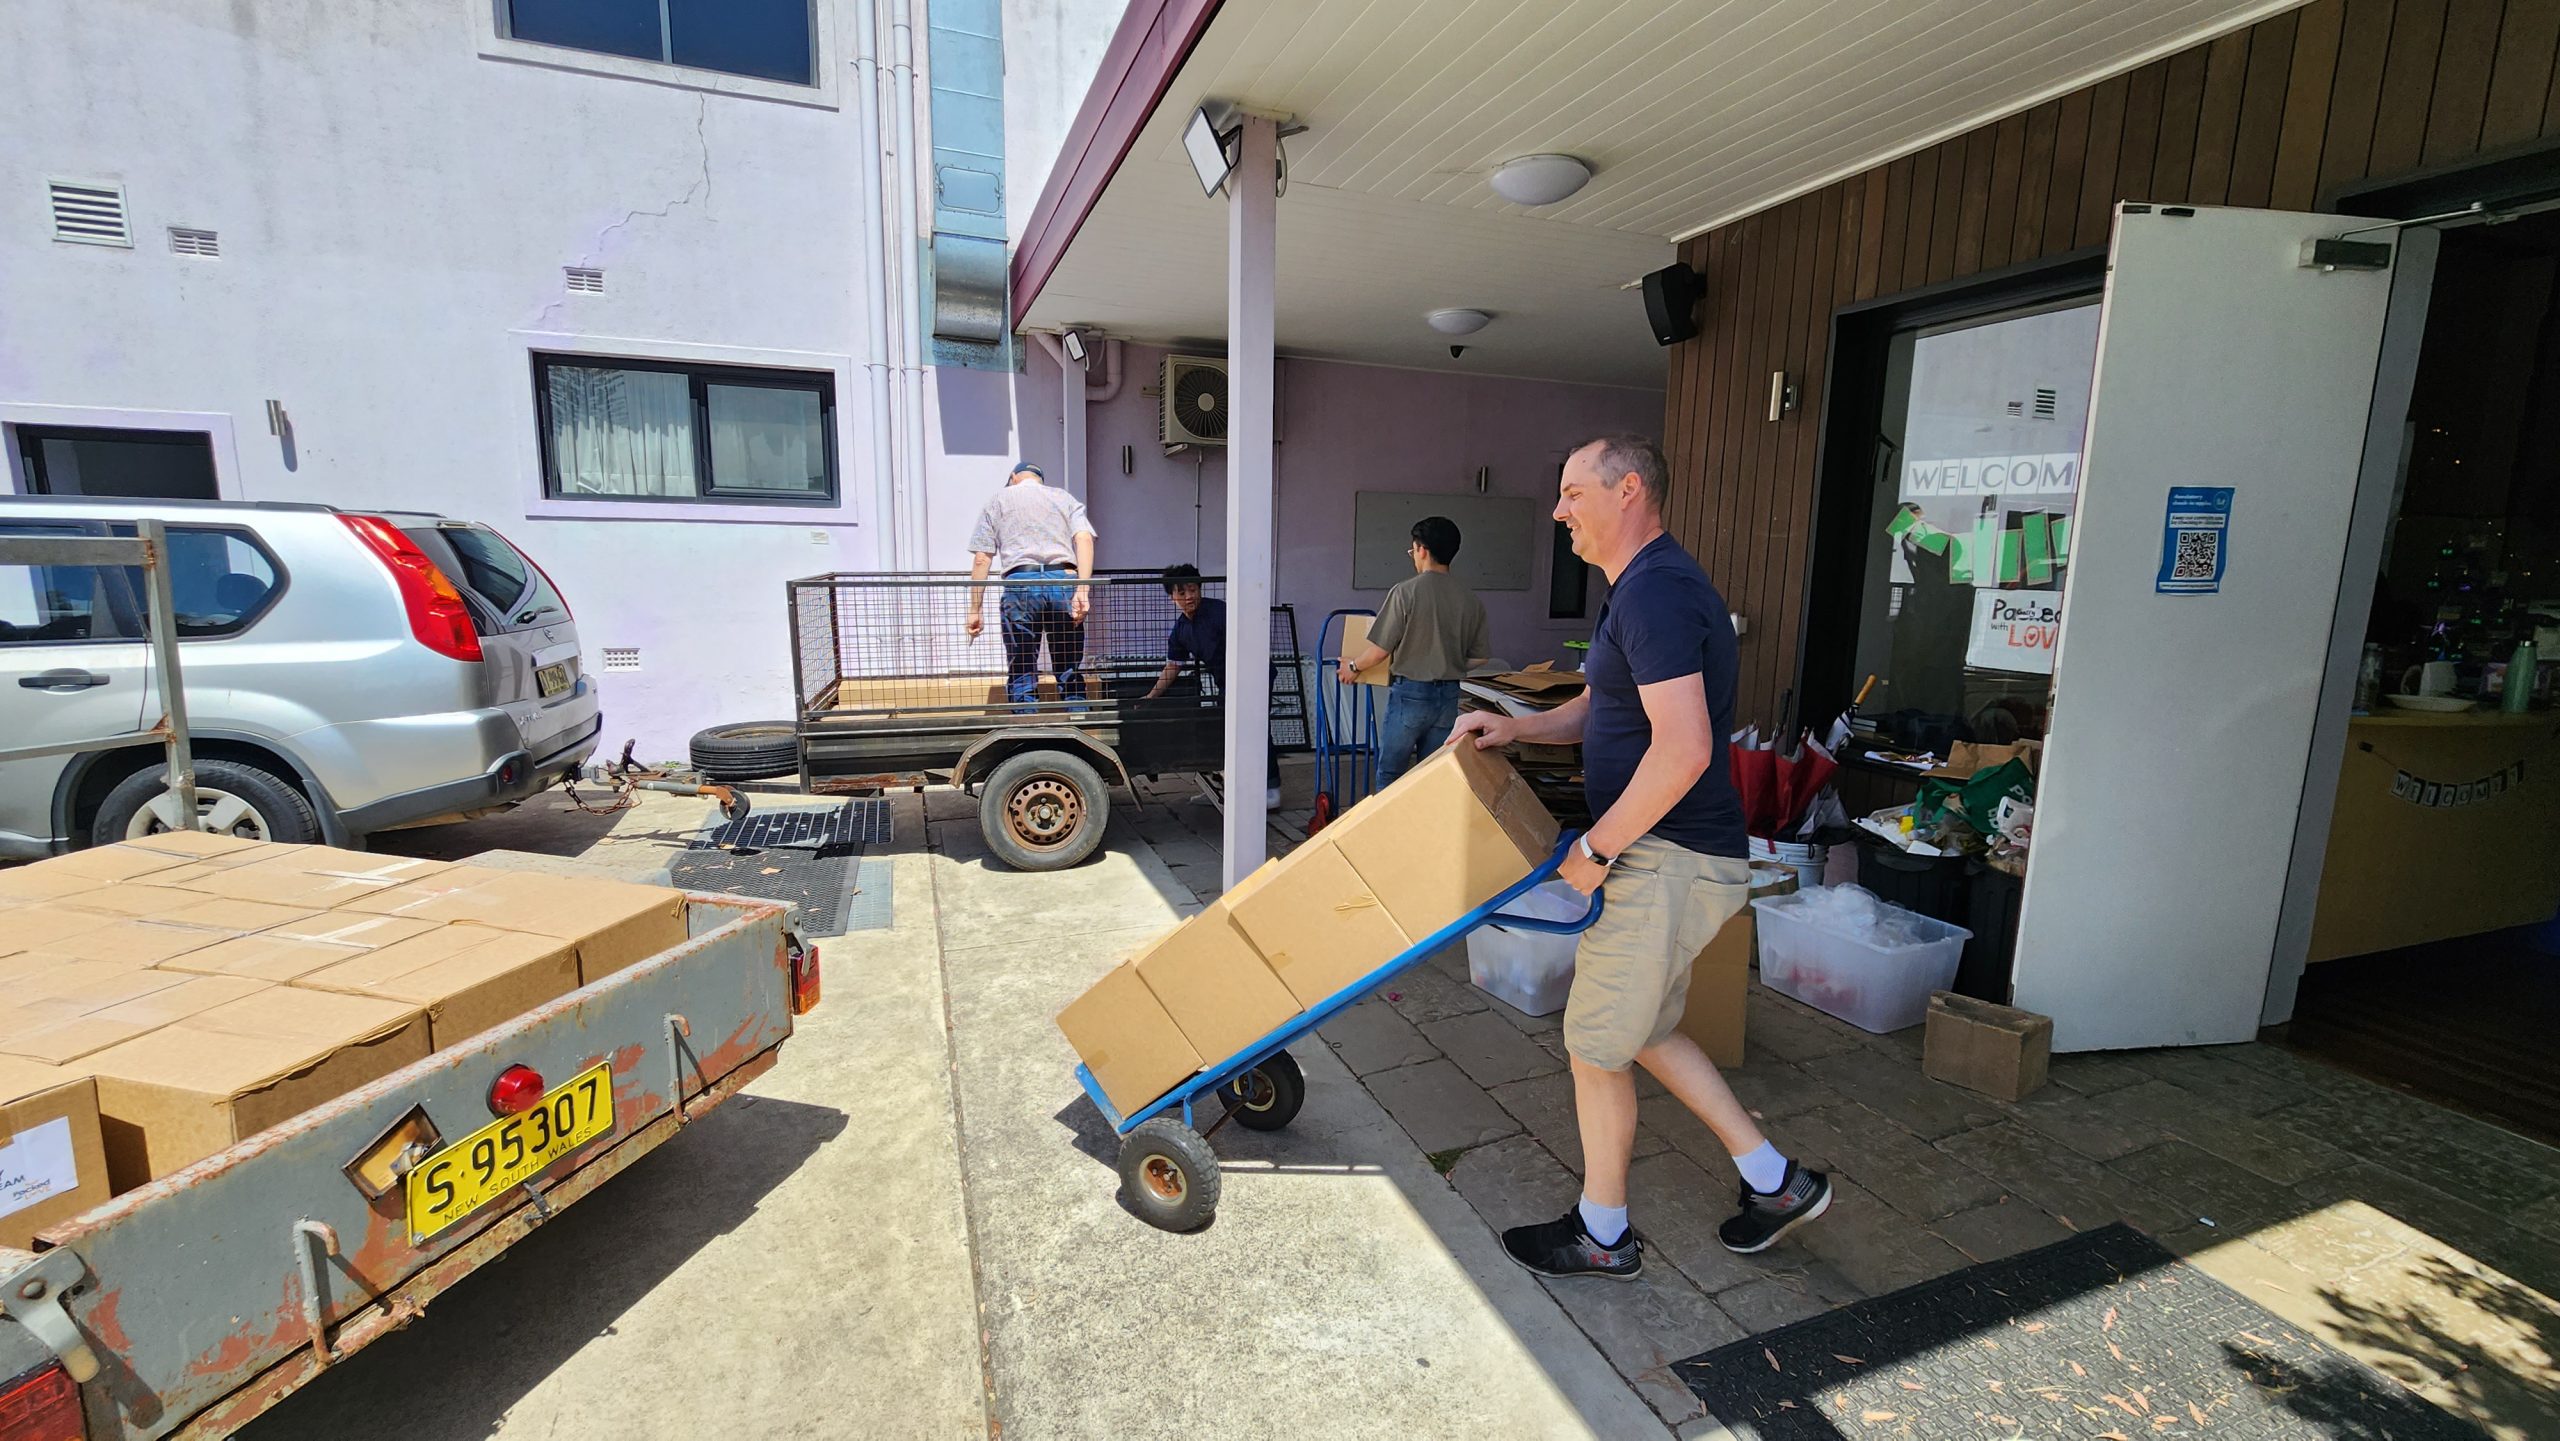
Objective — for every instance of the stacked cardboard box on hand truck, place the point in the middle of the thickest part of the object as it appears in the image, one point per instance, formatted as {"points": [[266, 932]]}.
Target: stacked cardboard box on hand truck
{"points": [[163, 998], [1448, 836]]}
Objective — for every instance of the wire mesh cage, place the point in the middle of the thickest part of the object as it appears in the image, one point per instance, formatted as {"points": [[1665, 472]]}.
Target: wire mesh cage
{"points": [[890, 667]]}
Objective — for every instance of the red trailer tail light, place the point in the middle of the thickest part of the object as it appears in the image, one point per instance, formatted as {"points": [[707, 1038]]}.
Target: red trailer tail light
{"points": [[517, 1090], [804, 979], [43, 1406], [438, 616]]}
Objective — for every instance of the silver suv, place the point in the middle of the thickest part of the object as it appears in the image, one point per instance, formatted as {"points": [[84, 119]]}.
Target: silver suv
{"points": [[345, 674]]}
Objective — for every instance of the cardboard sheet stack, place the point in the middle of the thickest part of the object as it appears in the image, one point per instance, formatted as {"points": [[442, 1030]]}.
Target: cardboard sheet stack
{"points": [[166, 997], [1446, 837]]}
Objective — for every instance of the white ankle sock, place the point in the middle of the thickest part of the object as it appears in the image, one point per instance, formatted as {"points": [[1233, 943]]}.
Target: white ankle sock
{"points": [[1763, 1170], [1604, 1224]]}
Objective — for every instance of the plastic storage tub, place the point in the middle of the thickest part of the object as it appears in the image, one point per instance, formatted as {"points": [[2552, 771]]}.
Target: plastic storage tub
{"points": [[1529, 971], [1874, 985]]}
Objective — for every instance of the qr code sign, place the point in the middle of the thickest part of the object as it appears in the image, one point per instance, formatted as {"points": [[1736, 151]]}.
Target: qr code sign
{"points": [[2199, 555]]}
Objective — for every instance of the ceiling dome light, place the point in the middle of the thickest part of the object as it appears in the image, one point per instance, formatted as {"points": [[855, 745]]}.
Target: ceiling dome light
{"points": [[1540, 179], [1459, 321]]}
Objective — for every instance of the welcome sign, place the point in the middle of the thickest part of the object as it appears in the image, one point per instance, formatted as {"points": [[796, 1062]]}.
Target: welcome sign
{"points": [[1994, 475], [2015, 630]]}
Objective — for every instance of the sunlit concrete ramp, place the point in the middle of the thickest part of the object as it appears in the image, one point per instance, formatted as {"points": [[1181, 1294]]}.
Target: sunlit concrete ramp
{"points": [[1342, 1290]]}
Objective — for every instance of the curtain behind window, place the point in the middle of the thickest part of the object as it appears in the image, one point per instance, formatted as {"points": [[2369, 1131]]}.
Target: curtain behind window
{"points": [[621, 432]]}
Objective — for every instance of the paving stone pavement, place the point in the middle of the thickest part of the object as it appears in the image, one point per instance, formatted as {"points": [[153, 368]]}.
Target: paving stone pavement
{"points": [[2330, 1199]]}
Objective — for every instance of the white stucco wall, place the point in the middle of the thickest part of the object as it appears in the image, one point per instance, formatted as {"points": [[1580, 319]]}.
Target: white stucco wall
{"points": [[396, 193], [1052, 49]]}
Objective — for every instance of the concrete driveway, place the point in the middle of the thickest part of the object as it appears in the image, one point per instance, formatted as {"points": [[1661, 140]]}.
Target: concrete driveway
{"points": [[909, 1228]]}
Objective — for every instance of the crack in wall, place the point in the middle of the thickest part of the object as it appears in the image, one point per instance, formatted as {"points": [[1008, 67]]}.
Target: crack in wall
{"points": [[700, 189]]}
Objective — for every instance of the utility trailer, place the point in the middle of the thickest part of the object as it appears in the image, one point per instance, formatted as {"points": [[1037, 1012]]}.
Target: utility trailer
{"points": [[892, 690], [188, 1306]]}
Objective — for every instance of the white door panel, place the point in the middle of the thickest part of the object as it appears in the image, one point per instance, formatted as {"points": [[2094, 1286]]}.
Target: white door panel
{"points": [[2181, 723]]}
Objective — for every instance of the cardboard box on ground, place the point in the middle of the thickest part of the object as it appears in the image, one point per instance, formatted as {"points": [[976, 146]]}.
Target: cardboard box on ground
{"points": [[1445, 838], [204, 987]]}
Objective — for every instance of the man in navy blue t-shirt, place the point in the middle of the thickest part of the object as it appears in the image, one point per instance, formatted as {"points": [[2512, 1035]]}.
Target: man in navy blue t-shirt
{"points": [[1667, 837], [1199, 640]]}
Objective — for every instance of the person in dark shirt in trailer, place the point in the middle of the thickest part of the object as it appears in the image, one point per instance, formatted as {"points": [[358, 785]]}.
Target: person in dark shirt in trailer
{"points": [[1199, 639], [1667, 839]]}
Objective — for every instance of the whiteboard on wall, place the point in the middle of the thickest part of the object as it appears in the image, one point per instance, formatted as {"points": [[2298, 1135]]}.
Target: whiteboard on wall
{"points": [[1498, 537]]}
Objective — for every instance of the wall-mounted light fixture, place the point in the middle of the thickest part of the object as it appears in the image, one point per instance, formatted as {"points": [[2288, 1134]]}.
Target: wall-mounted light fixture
{"points": [[1071, 340], [1782, 394], [1459, 320], [1206, 144]]}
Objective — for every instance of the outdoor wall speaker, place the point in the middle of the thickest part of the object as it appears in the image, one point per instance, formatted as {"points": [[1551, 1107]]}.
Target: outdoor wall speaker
{"points": [[1671, 303]]}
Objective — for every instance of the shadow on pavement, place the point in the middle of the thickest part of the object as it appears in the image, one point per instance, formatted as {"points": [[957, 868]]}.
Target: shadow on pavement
{"points": [[480, 1348]]}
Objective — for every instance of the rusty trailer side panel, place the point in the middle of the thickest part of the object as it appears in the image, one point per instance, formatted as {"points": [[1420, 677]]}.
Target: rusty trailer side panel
{"points": [[195, 1299]]}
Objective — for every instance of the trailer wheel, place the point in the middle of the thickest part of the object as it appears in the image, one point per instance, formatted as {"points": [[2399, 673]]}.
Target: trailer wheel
{"points": [[1044, 810], [1267, 1097], [1169, 1175]]}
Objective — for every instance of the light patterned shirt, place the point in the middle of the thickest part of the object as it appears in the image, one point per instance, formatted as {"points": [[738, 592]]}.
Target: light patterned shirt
{"points": [[1030, 524]]}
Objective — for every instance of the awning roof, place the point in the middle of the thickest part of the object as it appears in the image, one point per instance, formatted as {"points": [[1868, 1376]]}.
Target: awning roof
{"points": [[1693, 112]]}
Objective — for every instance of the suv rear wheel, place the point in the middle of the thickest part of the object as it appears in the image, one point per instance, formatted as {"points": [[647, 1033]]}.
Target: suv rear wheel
{"points": [[232, 798]]}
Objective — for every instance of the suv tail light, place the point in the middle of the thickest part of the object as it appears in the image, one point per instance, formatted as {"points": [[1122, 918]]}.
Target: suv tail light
{"points": [[42, 1406], [438, 616]]}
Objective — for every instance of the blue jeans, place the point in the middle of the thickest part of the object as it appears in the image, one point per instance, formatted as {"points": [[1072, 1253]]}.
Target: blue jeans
{"points": [[1419, 715], [1032, 614]]}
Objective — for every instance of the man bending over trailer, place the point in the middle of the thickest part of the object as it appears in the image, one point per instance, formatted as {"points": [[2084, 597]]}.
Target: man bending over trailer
{"points": [[1668, 839], [1031, 531]]}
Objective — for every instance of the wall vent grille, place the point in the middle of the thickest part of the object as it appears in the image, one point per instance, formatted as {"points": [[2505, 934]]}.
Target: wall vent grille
{"points": [[205, 243], [87, 213]]}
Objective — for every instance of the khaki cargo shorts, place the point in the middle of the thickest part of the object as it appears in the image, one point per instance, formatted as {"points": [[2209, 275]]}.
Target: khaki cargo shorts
{"points": [[1631, 971]]}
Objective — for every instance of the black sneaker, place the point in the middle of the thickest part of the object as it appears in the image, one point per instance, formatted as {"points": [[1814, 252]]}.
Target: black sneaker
{"points": [[1562, 1247], [1764, 1218]]}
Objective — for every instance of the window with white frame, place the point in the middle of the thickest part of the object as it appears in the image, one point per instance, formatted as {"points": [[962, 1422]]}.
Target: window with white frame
{"points": [[649, 430], [768, 39]]}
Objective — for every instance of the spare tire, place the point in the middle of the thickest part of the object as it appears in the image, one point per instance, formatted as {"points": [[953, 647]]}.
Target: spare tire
{"points": [[746, 750]]}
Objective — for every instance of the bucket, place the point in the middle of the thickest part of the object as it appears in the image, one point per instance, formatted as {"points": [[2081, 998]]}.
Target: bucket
{"points": [[1807, 859]]}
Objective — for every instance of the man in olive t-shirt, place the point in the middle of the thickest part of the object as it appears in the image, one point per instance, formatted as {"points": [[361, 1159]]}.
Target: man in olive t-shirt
{"points": [[1432, 630]]}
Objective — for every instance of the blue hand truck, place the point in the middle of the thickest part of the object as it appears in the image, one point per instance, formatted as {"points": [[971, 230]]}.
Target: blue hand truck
{"points": [[1346, 729], [1168, 1173]]}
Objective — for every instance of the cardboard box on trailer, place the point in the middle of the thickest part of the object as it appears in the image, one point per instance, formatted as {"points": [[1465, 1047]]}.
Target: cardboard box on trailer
{"points": [[313, 877], [52, 1158], [192, 1088], [354, 930], [132, 943], [468, 978], [1448, 836], [273, 959], [1316, 920], [615, 924], [1214, 984], [62, 1034], [36, 925], [1128, 1040]]}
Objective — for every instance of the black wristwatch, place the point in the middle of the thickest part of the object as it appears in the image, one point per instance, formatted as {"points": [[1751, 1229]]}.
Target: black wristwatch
{"points": [[1582, 843]]}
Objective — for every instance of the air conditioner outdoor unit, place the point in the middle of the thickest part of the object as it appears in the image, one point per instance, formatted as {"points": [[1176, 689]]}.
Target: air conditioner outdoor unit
{"points": [[1195, 400]]}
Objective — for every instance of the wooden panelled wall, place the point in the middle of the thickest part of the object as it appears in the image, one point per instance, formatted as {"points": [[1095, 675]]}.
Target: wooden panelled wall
{"points": [[2277, 115]]}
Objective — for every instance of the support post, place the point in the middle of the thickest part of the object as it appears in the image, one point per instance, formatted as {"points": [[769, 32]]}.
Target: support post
{"points": [[1252, 211]]}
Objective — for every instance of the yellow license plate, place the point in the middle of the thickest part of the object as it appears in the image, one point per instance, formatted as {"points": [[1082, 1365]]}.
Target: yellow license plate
{"points": [[553, 679], [448, 1186]]}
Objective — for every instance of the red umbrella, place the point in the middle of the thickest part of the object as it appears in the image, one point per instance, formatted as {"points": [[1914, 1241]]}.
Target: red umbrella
{"points": [[1799, 782], [1755, 779]]}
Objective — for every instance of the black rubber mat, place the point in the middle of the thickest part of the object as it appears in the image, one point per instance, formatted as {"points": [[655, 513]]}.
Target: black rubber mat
{"points": [[2103, 1335], [807, 859], [815, 887]]}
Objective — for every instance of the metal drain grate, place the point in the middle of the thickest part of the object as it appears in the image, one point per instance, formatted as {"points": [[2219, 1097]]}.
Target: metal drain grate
{"points": [[846, 828]]}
